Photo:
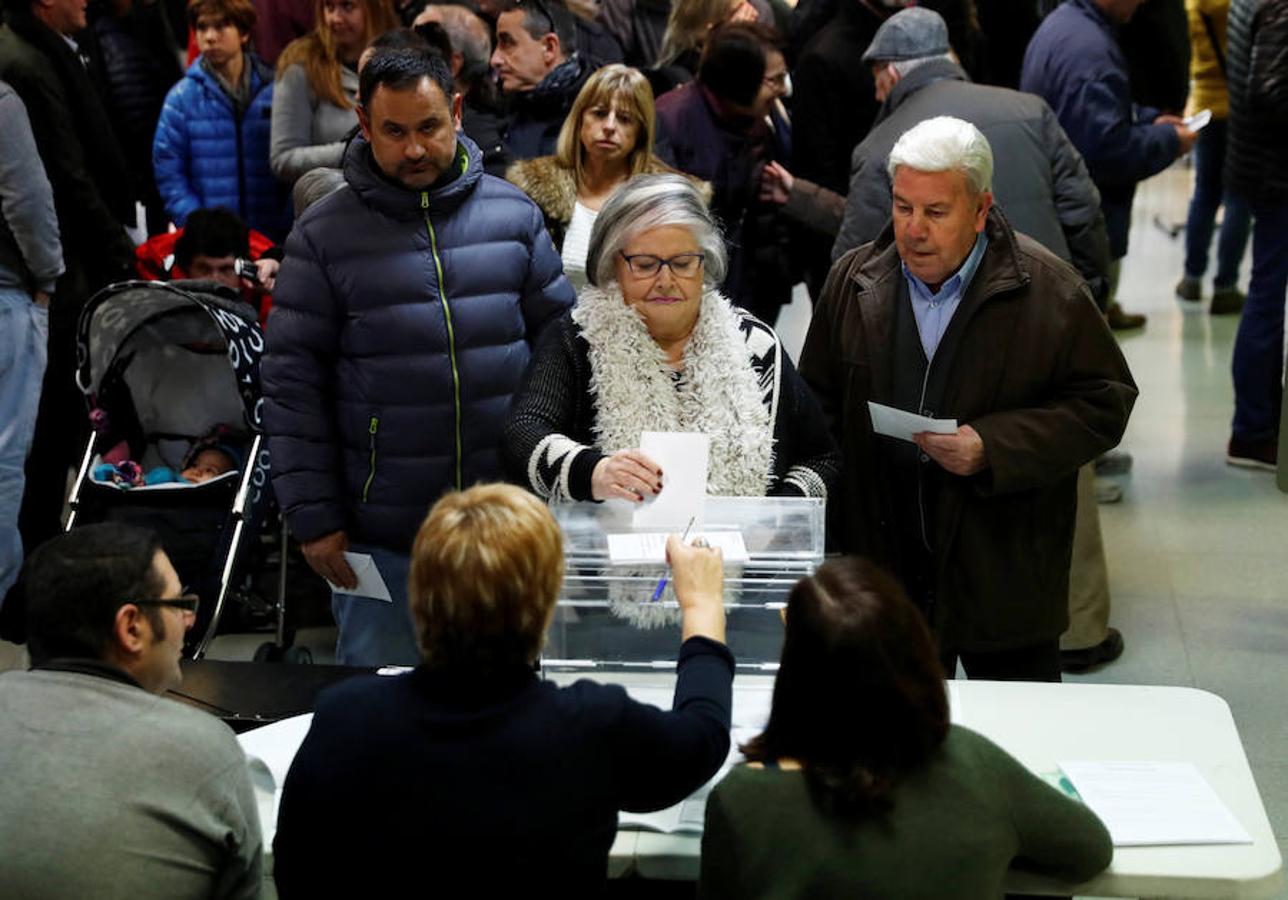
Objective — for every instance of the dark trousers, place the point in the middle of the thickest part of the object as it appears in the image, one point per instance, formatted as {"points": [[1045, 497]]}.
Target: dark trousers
{"points": [[1258, 363], [1037, 662], [1209, 195], [62, 423]]}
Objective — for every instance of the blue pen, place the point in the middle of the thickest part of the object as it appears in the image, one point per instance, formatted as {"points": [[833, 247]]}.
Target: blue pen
{"points": [[661, 584]]}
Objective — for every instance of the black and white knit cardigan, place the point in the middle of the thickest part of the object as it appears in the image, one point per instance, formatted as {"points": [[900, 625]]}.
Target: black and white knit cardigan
{"points": [[598, 380]]}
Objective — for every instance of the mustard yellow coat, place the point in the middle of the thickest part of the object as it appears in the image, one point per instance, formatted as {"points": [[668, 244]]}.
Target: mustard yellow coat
{"points": [[1207, 79]]}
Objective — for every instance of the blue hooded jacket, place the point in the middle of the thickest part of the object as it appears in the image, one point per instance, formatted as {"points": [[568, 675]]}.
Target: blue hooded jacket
{"points": [[402, 323], [204, 156]]}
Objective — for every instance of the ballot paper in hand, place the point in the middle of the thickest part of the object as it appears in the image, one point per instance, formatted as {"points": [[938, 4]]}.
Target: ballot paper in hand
{"points": [[901, 424], [370, 582], [1198, 121], [683, 458], [1148, 803], [650, 548]]}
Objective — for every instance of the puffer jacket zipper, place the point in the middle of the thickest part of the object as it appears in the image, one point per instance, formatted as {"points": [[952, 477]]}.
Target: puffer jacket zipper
{"points": [[372, 428], [451, 333]]}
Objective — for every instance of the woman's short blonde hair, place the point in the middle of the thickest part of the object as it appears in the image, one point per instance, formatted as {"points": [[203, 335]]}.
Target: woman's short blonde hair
{"points": [[631, 92], [486, 568]]}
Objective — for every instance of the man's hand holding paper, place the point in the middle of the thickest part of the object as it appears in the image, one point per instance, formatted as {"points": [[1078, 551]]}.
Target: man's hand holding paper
{"points": [[961, 453]]}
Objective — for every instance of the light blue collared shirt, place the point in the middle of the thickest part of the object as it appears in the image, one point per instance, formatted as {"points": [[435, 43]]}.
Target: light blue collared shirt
{"points": [[934, 311]]}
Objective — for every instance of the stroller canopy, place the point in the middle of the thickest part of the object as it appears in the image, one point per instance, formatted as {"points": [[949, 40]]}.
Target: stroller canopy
{"points": [[192, 347]]}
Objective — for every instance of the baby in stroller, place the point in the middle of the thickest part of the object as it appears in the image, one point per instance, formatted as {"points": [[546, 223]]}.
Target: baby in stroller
{"points": [[218, 453]]}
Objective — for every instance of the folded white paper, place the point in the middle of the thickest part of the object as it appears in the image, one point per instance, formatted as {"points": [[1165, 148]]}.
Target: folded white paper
{"points": [[1144, 803], [1197, 121], [650, 548], [683, 458], [370, 582], [275, 745], [901, 424]]}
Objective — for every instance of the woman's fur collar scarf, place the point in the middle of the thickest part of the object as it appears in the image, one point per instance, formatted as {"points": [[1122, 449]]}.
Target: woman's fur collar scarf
{"points": [[720, 394], [554, 188]]}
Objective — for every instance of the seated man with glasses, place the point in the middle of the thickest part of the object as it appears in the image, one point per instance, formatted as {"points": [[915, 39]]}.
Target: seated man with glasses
{"points": [[652, 345], [109, 787], [538, 66]]}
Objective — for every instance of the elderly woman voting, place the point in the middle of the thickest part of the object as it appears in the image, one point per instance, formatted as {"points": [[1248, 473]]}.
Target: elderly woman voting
{"points": [[470, 775], [652, 346]]}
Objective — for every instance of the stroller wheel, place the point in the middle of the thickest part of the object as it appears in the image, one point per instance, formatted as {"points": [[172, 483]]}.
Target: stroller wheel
{"points": [[271, 653], [268, 652], [299, 655]]}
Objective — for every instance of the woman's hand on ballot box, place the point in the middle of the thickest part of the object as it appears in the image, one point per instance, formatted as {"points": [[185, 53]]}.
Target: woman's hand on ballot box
{"points": [[697, 575]]}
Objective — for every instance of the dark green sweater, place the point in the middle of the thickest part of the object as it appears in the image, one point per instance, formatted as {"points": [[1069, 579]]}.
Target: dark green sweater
{"points": [[956, 826]]}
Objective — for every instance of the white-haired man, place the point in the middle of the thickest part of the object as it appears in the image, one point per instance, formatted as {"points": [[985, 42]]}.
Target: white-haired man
{"points": [[951, 314]]}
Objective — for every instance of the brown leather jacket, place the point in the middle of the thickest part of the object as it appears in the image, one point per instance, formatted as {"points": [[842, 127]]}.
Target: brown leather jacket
{"points": [[1035, 371]]}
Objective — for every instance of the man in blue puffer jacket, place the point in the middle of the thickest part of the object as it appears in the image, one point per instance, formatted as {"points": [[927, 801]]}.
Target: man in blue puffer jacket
{"points": [[211, 145], [403, 319]]}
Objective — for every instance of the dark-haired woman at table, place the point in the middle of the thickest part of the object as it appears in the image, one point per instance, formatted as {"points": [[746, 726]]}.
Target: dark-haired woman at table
{"points": [[860, 787]]}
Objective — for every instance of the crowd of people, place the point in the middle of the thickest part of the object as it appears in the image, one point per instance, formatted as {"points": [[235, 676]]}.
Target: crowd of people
{"points": [[496, 241]]}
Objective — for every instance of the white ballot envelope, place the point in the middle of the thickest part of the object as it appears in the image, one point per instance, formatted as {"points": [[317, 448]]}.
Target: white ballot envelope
{"points": [[683, 457], [370, 582], [650, 548], [1197, 121], [901, 424]]}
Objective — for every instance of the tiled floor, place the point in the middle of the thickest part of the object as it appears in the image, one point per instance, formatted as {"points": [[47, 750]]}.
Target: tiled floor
{"points": [[1196, 549]]}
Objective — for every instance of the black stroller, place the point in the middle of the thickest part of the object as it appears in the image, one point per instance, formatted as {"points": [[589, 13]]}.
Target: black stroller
{"points": [[163, 364]]}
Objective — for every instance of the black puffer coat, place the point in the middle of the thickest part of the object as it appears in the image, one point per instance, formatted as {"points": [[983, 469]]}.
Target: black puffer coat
{"points": [[1256, 153]]}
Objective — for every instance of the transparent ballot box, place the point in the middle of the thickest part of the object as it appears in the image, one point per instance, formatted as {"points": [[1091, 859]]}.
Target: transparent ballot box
{"points": [[606, 619]]}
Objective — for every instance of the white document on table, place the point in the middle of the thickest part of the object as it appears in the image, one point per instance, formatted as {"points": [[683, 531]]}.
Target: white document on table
{"points": [[650, 548], [901, 424], [689, 815], [275, 745], [370, 582], [682, 456], [1155, 803]]}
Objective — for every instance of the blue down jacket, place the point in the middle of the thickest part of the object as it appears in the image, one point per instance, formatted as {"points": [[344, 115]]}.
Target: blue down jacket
{"points": [[203, 156], [402, 323]]}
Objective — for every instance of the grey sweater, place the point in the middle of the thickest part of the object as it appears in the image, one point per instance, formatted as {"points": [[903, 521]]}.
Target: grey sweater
{"points": [[957, 824], [31, 254], [308, 132], [112, 792]]}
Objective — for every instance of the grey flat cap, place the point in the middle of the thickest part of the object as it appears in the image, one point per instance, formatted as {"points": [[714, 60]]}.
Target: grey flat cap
{"points": [[909, 34]]}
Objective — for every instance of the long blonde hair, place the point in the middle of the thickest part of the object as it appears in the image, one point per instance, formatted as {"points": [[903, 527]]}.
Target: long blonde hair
{"points": [[688, 24], [631, 90], [316, 51]]}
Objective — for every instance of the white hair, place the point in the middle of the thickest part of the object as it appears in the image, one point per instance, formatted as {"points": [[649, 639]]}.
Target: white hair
{"points": [[646, 202], [945, 144]]}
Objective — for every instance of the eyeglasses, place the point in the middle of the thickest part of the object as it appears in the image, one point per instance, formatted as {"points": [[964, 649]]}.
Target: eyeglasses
{"points": [[541, 8], [646, 265], [187, 603]]}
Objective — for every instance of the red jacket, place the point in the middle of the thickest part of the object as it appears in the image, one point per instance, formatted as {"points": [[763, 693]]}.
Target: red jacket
{"points": [[154, 261]]}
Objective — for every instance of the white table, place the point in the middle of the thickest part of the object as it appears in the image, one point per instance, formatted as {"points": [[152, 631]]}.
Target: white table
{"points": [[1039, 724]]}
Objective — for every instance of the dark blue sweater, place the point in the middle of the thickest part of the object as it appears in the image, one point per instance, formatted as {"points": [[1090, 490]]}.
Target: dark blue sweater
{"points": [[441, 780]]}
